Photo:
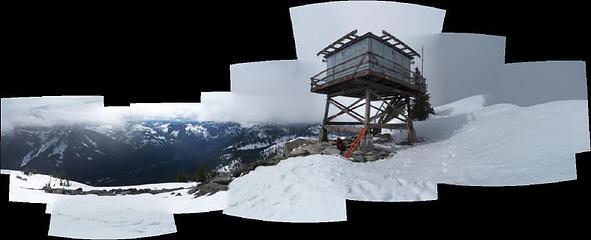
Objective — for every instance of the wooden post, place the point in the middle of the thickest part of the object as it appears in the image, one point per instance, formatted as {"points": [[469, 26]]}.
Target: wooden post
{"points": [[410, 128], [367, 106], [323, 130], [367, 141]]}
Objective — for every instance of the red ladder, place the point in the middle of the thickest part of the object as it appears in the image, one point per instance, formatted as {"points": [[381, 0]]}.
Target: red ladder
{"points": [[355, 143]]}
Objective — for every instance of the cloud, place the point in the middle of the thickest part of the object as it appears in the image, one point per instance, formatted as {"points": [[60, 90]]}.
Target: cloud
{"points": [[67, 110], [51, 111], [456, 65]]}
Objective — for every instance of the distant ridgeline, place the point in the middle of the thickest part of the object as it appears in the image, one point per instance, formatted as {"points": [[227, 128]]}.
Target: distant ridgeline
{"points": [[140, 152]]}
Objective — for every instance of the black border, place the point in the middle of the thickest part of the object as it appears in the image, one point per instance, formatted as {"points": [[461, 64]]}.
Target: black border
{"points": [[124, 52]]}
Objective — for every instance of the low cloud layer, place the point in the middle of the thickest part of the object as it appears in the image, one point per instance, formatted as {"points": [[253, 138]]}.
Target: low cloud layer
{"points": [[67, 110], [456, 65]]}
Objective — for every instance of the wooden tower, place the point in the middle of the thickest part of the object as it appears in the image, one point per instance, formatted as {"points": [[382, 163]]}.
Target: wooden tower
{"points": [[373, 69]]}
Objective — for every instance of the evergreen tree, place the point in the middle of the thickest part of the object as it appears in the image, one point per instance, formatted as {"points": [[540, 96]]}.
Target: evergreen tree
{"points": [[420, 106], [181, 177], [200, 175]]}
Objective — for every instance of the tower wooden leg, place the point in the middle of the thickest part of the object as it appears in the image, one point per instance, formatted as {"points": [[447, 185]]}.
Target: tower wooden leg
{"points": [[323, 130], [410, 128]]}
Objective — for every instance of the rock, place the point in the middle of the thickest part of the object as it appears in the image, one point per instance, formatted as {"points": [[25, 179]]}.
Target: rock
{"points": [[110, 193], [224, 180], [210, 188], [268, 162], [383, 138], [178, 194], [294, 144], [298, 153], [331, 151], [358, 158], [193, 190], [78, 191], [366, 144]]}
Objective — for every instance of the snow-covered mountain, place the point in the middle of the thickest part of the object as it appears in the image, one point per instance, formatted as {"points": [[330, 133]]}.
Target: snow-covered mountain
{"points": [[139, 152]]}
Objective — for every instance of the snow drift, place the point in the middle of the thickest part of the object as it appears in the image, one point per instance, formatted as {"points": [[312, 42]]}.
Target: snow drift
{"points": [[109, 217], [466, 143]]}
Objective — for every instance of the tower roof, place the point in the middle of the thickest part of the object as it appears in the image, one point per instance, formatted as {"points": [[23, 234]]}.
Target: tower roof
{"points": [[352, 37]]}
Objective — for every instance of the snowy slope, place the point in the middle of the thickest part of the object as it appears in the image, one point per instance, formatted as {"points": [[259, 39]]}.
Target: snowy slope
{"points": [[468, 143], [110, 217]]}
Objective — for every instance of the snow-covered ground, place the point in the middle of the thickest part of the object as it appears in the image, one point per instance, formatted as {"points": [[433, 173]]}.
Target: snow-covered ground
{"points": [[466, 143], [113, 217]]}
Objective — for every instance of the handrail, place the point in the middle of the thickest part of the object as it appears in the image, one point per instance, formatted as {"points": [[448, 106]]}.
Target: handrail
{"points": [[340, 64], [329, 74]]}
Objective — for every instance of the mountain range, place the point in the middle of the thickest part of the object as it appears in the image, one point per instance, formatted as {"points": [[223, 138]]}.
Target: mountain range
{"points": [[141, 152]]}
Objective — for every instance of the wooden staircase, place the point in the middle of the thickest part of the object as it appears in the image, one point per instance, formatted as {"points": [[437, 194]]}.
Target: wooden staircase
{"points": [[355, 143]]}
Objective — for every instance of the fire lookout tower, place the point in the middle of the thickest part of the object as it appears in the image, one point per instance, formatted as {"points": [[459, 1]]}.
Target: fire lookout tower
{"points": [[372, 69]]}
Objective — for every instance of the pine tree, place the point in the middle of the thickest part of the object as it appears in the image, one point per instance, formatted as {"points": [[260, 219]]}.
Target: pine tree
{"points": [[420, 107], [200, 175], [181, 177]]}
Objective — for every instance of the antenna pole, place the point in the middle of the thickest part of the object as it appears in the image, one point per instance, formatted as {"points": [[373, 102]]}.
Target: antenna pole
{"points": [[422, 60]]}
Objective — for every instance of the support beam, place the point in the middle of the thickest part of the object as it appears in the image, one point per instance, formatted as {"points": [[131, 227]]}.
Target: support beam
{"points": [[353, 114], [343, 123], [367, 106], [389, 125], [323, 130], [411, 135], [389, 88], [346, 91], [349, 108], [343, 129]]}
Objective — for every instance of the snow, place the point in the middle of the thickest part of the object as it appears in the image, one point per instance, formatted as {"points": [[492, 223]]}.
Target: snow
{"points": [[273, 150], [90, 141], [60, 149], [175, 133], [110, 217], [228, 167], [197, 130], [465, 105], [468, 143], [296, 190], [253, 146], [142, 128], [33, 154], [99, 152], [164, 127], [258, 145], [103, 129], [279, 145]]}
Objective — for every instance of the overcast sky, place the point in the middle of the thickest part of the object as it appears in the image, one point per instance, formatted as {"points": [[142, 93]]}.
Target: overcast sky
{"points": [[456, 65]]}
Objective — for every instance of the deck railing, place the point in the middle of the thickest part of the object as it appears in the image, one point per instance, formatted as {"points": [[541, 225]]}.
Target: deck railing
{"points": [[367, 61]]}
